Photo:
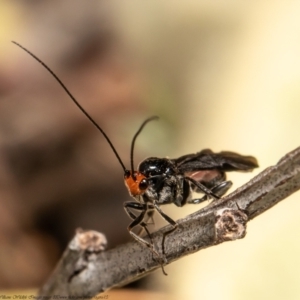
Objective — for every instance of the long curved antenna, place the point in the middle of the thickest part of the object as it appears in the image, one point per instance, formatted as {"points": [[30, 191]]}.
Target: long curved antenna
{"points": [[75, 101], [133, 141]]}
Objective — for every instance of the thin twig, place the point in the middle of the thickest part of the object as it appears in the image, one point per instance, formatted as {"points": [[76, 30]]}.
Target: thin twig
{"points": [[86, 270]]}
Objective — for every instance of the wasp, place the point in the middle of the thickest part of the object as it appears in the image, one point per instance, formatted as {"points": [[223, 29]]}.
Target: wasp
{"points": [[160, 181]]}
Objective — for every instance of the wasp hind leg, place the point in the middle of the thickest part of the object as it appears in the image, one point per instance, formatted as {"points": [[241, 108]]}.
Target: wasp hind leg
{"points": [[207, 191], [138, 221], [222, 188], [219, 190]]}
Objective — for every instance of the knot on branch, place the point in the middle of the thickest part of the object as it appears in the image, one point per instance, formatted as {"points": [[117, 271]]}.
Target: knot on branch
{"points": [[230, 225], [90, 241], [88, 244]]}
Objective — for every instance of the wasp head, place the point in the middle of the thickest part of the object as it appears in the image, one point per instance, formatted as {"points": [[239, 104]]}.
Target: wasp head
{"points": [[136, 182]]}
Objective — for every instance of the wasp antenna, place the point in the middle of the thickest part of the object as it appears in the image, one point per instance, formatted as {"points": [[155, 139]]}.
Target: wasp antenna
{"points": [[75, 101], [134, 138]]}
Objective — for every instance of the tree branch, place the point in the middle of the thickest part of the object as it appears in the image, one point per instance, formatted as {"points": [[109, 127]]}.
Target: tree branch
{"points": [[85, 269]]}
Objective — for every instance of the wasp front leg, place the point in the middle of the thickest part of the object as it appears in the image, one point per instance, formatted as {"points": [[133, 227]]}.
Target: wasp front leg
{"points": [[146, 222], [138, 206], [138, 220], [170, 221]]}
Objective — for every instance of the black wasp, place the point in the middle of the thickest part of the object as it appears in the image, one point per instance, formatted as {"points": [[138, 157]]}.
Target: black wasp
{"points": [[159, 181]]}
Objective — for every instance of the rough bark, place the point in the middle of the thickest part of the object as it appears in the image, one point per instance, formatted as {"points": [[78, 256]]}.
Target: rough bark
{"points": [[86, 269]]}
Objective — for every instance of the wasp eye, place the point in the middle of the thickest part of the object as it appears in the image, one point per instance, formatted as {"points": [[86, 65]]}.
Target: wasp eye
{"points": [[143, 184]]}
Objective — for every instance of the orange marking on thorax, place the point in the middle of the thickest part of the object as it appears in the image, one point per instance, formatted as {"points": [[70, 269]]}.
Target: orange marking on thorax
{"points": [[133, 184]]}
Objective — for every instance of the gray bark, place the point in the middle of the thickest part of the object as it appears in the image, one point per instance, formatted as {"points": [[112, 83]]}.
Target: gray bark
{"points": [[87, 269]]}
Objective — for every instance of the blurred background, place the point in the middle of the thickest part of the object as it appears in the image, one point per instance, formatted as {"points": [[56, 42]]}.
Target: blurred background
{"points": [[223, 75]]}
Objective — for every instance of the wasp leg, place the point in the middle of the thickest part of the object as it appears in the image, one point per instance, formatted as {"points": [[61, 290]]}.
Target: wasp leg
{"points": [[169, 220], [138, 220], [219, 190], [144, 227], [146, 223], [142, 224], [208, 192], [133, 216]]}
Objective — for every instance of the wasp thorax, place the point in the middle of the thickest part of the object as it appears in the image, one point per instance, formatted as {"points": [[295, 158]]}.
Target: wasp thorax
{"points": [[136, 183]]}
